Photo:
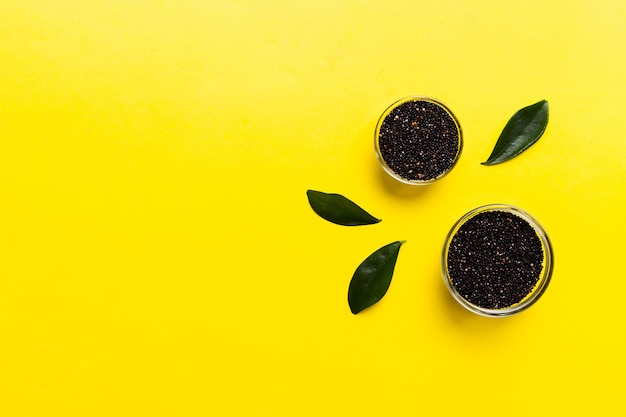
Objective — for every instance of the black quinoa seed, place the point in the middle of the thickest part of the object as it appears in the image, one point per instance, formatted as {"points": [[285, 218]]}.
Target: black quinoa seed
{"points": [[419, 140], [495, 259]]}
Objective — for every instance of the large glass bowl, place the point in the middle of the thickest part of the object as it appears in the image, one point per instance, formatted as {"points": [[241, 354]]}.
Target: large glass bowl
{"points": [[544, 278]]}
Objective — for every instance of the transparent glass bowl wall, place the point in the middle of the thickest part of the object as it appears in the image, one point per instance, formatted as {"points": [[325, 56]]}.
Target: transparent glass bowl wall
{"points": [[544, 278], [389, 109]]}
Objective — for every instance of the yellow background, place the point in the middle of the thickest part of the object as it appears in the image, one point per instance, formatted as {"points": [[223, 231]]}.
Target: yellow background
{"points": [[158, 256]]}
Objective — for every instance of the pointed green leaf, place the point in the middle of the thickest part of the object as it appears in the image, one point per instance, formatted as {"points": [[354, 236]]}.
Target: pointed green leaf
{"points": [[372, 278], [523, 129], [338, 209]]}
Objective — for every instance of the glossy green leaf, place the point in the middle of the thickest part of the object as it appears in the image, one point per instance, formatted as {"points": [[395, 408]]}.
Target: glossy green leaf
{"points": [[372, 278], [338, 209], [522, 130]]}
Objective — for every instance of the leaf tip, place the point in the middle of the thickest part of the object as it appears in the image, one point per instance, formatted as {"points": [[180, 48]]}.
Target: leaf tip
{"points": [[355, 306]]}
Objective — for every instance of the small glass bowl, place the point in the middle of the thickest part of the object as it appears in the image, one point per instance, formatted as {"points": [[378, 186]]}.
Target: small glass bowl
{"points": [[542, 282], [384, 164]]}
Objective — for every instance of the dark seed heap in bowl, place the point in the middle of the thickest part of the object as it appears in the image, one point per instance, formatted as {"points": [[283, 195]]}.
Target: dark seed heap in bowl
{"points": [[495, 259], [419, 140]]}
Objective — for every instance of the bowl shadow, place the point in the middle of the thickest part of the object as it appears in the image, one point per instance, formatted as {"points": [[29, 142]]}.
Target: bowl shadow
{"points": [[461, 318], [397, 188]]}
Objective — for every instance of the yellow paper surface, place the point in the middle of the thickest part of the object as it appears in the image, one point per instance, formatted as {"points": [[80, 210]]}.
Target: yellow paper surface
{"points": [[158, 256]]}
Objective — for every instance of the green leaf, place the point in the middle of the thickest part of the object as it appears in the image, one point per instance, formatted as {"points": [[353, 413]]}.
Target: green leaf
{"points": [[372, 278], [338, 209], [523, 129]]}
